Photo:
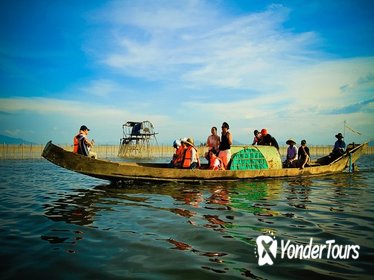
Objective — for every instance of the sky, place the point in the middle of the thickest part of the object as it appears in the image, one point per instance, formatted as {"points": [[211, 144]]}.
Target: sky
{"points": [[300, 69]]}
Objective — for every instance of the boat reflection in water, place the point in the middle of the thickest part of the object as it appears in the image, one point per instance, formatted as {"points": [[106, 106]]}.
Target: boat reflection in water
{"points": [[213, 226], [193, 208]]}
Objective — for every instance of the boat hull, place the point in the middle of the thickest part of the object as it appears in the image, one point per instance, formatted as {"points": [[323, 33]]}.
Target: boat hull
{"points": [[117, 171]]}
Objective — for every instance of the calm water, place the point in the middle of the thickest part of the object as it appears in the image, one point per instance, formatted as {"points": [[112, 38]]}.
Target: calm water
{"points": [[58, 224]]}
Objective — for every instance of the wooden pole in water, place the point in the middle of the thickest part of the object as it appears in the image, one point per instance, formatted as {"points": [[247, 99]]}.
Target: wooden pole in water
{"points": [[345, 122]]}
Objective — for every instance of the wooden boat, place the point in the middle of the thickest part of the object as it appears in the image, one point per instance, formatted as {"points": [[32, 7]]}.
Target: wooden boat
{"points": [[117, 171]]}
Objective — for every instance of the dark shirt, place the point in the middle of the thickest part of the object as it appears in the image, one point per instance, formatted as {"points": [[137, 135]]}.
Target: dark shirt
{"points": [[339, 145], [303, 152], [224, 144], [82, 145], [269, 140]]}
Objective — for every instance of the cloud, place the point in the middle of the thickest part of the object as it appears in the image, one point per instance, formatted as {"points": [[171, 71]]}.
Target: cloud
{"points": [[366, 106], [206, 65], [101, 88], [195, 43], [13, 132], [61, 118], [76, 109]]}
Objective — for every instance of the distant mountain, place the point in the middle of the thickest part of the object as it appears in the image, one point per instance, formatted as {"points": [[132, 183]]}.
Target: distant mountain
{"points": [[237, 143], [11, 140]]}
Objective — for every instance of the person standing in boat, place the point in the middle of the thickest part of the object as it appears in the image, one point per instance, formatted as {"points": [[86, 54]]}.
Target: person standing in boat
{"points": [[191, 157], [303, 155], [85, 145], [267, 139], [225, 145], [213, 140]]}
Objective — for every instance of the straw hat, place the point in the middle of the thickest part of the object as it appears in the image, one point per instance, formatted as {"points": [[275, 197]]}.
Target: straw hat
{"points": [[291, 141], [189, 141]]}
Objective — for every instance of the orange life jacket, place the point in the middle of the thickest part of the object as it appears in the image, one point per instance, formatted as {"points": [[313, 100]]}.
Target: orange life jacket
{"points": [[188, 157], [212, 161], [179, 153], [76, 144]]}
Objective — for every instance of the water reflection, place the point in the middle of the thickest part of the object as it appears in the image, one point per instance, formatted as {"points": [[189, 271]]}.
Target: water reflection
{"points": [[216, 224], [83, 205], [298, 192], [217, 208]]}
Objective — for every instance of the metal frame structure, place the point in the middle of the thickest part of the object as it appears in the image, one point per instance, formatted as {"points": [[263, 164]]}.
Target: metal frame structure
{"points": [[137, 139]]}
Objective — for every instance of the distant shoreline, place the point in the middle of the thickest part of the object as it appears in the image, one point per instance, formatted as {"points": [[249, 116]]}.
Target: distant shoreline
{"points": [[31, 151]]}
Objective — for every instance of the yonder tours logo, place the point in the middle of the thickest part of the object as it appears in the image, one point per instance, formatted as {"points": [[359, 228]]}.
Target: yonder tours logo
{"points": [[267, 248]]}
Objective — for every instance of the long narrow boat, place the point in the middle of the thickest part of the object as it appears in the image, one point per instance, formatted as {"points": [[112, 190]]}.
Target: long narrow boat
{"points": [[117, 171]]}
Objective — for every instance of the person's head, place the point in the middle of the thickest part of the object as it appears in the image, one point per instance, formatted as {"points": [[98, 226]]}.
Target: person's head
{"points": [[303, 142], [225, 126], [211, 153], [339, 136], [264, 132], [189, 142], [256, 132], [183, 142], [177, 143], [84, 129], [214, 130], [291, 142]]}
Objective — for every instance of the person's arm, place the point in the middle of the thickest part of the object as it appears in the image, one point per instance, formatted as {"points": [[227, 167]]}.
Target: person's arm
{"points": [[275, 143], [254, 141], [229, 138], [88, 142], [194, 155], [295, 150]]}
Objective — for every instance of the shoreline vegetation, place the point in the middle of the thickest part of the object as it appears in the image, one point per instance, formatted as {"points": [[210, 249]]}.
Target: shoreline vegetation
{"points": [[29, 151]]}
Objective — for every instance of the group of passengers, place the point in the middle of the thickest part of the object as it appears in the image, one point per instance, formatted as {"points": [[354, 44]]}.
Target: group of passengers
{"points": [[297, 157], [219, 149], [264, 138], [218, 155], [301, 157]]}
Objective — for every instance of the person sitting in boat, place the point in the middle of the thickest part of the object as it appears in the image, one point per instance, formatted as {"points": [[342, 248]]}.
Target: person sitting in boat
{"points": [[215, 163], [267, 139], [225, 145], [84, 145], [191, 158], [178, 155], [213, 140], [303, 155], [257, 137], [339, 147], [291, 159]]}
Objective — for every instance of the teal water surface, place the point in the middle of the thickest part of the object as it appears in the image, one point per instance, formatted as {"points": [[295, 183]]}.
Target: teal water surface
{"points": [[56, 224]]}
